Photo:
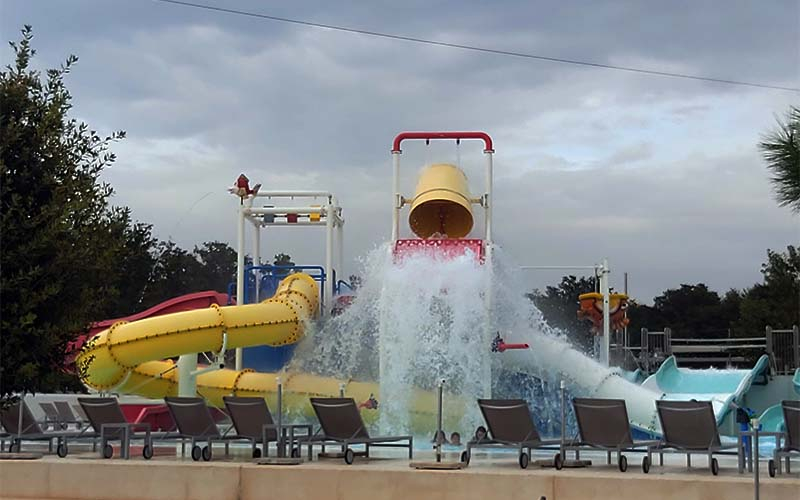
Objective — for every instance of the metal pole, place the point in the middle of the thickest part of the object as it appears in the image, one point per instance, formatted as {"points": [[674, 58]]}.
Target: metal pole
{"points": [[257, 261], [489, 201], [563, 418], [239, 275], [625, 340], [327, 300], [754, 454], [796, 342], [20, 409], [279, 426], [439, 431], [340, 250], [604, 289], [397, 203]]}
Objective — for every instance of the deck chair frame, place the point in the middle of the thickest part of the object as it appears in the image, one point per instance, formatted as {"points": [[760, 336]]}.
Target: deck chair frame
{"points": [[590, 410], [209, 434], [32, 431], [791, 439], [495, 439], [686, 415], [106, 415], [328, 434]]}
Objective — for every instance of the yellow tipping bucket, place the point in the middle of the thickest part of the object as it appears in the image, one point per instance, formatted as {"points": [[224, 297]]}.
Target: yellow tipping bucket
{"points": [[442, 203]]}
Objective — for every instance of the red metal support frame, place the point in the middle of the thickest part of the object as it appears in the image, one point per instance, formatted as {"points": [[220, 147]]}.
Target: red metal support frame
{"points": [[488, 147]]}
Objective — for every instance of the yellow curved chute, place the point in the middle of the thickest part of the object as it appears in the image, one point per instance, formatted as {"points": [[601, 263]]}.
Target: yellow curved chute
{"points": [[128, 357]]}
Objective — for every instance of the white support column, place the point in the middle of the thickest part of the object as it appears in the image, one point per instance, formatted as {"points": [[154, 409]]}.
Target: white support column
{"points": [[489, 199], [327, 295], [604, 289], [187, 383], [396, 196], [257, 258], [240, 278], [340, 250], [487, 210]]}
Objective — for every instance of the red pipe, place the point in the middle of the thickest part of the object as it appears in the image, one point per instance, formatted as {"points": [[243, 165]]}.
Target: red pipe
{"points": [[502, 346], [487, 141]]}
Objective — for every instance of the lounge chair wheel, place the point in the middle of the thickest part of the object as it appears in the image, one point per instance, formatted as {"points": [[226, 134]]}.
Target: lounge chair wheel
{"points": [[256, 452], [558, 461], [108, 451], [524, 459], [349, 456], [714, 466], [623, 463], [771, 467], [196, 453], [646, 465], [61, 450], [147, 452], [465, 456], [207, 453]]}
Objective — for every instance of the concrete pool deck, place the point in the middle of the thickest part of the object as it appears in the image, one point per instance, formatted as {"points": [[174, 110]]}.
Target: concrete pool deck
{"points": [[488, 477]]}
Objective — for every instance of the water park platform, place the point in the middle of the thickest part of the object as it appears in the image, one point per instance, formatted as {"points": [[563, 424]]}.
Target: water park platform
{"points": [[87, 477]]}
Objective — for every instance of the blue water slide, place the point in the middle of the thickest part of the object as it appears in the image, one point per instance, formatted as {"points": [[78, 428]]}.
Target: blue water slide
{"points": [[724, 388]]}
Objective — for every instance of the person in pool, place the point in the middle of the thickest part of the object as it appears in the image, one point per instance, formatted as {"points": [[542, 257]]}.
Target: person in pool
{"points": [[439, 437], [455, 439]]}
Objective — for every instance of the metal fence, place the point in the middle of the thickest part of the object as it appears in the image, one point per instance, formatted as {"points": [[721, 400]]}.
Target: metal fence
{"points": [[782, 346]]}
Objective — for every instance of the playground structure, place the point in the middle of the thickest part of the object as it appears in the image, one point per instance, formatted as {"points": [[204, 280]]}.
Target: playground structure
{"points": [[128, 356]]}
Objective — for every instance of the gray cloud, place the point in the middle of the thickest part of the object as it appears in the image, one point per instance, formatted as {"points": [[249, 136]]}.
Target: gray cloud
{"points": [[660, 175]]}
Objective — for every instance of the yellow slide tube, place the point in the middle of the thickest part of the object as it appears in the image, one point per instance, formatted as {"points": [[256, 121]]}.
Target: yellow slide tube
{"points": [[124, 357], [127, 358]]}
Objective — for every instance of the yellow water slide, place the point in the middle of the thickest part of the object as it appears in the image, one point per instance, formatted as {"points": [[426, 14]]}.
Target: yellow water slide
{"points": [[126, 358]]}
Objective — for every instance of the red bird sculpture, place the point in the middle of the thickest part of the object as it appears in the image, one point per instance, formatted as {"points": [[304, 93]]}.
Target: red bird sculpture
{"points": [[241, 188]]}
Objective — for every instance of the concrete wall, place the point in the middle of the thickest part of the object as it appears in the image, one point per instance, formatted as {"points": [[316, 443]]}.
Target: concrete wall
{"points": [[134, 480]]}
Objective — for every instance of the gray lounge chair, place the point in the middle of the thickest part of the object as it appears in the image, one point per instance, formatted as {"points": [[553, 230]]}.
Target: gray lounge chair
{"points": [[106, 417], [194, 422], [252, 419], [510, 425], [690, 427], [51, 417], [66, 416], [30, 430], [603, 424], [791, 445], [80, 413], [341, 423]]}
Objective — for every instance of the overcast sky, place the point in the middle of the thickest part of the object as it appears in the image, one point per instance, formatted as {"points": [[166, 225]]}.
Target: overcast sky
{"points": [[660, 175]]}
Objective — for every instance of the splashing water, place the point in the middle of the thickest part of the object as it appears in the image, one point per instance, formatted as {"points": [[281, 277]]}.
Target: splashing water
{"points": [[426, 318]]}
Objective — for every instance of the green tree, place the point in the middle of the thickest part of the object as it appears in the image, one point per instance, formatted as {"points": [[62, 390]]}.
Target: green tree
{"points": [[776, 301], [559, 306], [176, 272], [690, 311], [217, 265], [58, 247], [135, 261], [781, 150], [282, 259]]}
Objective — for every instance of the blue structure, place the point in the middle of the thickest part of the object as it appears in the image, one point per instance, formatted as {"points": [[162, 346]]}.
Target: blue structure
{"points": [[266, 278]]}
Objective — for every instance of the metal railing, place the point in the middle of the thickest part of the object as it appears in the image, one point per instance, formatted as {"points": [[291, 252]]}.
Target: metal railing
{"points": [[782, 347]]}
